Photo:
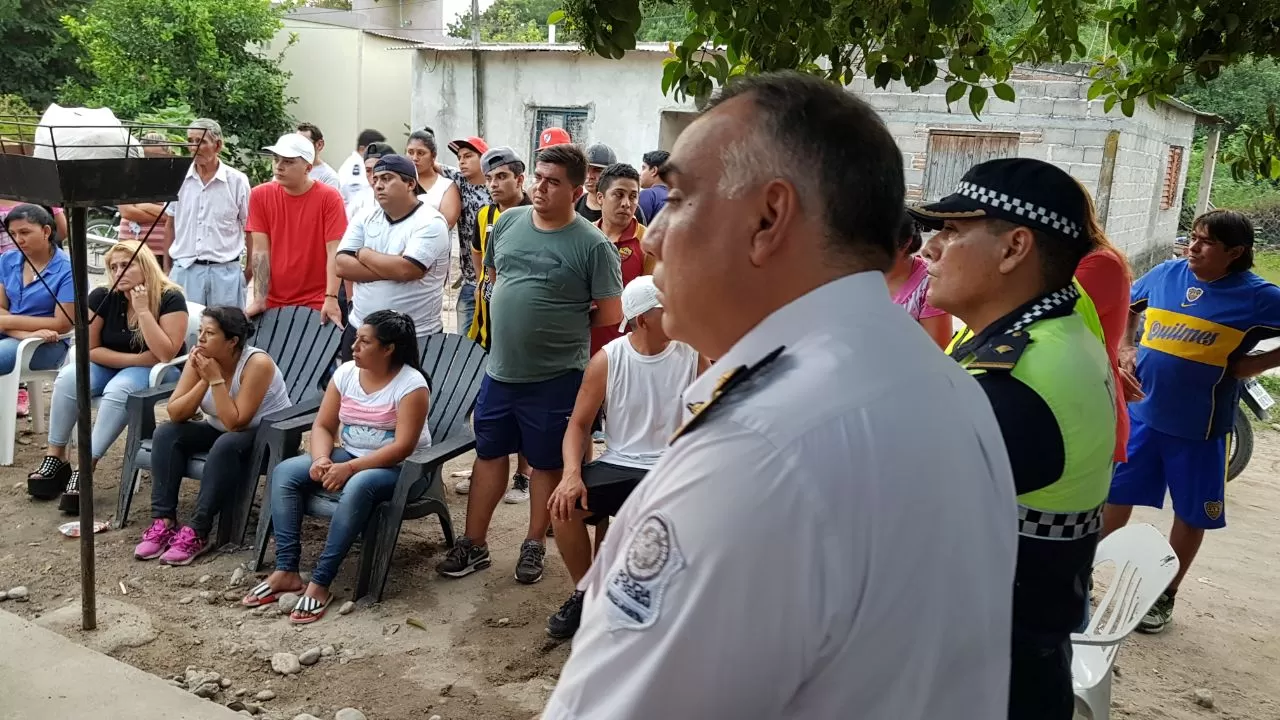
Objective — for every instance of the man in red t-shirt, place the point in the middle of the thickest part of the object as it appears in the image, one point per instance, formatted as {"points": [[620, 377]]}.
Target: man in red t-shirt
{"points": [[617, 193], [295, 224]]}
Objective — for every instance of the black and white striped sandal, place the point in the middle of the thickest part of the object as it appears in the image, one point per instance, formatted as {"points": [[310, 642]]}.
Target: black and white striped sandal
{"points": [[308, 610], [69, 503], [49, 479]]}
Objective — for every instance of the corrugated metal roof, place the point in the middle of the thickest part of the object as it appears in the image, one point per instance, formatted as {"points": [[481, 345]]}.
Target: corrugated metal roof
{"points": [[524, 47]]}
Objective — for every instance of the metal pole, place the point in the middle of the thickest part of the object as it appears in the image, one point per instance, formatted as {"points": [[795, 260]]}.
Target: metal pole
{"points": [[84, 426]]}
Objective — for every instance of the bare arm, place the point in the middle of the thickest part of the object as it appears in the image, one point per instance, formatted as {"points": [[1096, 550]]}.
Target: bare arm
{"points": [[451, 205], [390, 267], [60, 224], [168, 233], [59, 323], [164, 337], [350, 268], [237, 412], [585, 408], [325, 428], [332, 281], [608, 311], [142, 213], [259, 245], [186, 397]]}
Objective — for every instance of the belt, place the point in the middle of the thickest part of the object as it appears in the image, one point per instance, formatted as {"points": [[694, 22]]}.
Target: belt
{"points": [[1049, 525], [211, 262]]}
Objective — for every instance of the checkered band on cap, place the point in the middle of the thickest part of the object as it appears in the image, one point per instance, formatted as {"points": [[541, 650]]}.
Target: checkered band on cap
{"points": [[1022, 208], [1058, 526]]}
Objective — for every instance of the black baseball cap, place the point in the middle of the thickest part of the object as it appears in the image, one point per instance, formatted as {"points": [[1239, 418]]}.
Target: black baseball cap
{"points": [[1023, 191], [378, 150], [401, 166]]}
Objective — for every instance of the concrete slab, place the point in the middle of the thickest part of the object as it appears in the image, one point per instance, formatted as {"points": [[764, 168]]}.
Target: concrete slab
{"points": [[44, 676]]}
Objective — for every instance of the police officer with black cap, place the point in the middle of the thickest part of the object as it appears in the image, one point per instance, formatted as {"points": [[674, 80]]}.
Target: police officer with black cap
{"points": [[1009, 241]]}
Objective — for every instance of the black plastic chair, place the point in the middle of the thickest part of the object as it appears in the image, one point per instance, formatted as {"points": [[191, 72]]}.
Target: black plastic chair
{"points": [[456, 366], [301, 347]]}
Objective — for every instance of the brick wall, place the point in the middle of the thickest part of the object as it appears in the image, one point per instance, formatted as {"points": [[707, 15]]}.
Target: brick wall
{"points": [[1054, 123]]}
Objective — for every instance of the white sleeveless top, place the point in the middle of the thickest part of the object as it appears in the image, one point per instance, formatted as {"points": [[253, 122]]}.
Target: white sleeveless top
{"points": [[277, 397], [434, 196], [642, 400]]}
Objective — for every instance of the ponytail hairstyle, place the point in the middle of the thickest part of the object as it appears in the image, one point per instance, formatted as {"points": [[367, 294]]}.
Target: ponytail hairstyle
{"points": [[398, 330], [427, 137], [909, 238], [36, 215]]}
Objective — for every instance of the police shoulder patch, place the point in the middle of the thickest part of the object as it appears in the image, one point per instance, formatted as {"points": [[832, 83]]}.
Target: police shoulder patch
{"points": [[1000, 352], [640, 575]]}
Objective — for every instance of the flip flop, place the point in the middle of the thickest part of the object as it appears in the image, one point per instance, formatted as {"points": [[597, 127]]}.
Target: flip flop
{"points": [[308, 610], [261, 595]]}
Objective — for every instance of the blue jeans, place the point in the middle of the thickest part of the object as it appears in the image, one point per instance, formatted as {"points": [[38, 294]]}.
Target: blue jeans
{"points": [[46, 357], [291, 483], [113, 385], [211, 285], [466, 306]]}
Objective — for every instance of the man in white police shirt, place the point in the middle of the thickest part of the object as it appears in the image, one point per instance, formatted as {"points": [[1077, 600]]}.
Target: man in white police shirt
{"points": [[794, 554], [397, 255]]}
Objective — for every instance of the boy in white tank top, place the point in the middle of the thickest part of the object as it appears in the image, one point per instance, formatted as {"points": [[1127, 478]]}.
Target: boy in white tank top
{"points": [[638, 380]]}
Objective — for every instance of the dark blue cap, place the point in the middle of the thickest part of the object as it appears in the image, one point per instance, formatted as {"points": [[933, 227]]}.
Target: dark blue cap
{"points": [[399, 165]]}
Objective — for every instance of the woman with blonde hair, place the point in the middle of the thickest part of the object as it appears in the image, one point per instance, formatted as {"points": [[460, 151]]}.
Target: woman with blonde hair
{"points": [[139, 319]]}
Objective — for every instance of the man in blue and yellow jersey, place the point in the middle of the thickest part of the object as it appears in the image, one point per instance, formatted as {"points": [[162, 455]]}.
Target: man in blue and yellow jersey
{"points": [[1009, 241], [1204, 313]]}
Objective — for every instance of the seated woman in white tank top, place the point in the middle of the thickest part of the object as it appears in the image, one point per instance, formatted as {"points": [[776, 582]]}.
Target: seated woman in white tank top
{"points": [[638, 379], [234, 385]]}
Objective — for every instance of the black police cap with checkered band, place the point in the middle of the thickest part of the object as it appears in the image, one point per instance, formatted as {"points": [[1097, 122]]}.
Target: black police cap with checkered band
{"points": [[1023, 191]]}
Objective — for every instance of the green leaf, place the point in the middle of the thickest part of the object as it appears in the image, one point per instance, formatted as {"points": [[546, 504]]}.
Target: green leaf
{"points": [[693, 41], [1109, 103], [555, 18], [1127, 107], [1004, 92], [977, 100], [955, 92], [1096, 88]]}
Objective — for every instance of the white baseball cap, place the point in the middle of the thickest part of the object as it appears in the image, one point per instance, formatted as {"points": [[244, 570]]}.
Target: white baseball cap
{"points": [[638, 297], [293, 145]]}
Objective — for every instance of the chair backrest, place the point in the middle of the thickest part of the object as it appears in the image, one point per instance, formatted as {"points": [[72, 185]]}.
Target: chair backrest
{"points": [[301, 347], [1144, 566], [456, 365], [194, 315]]}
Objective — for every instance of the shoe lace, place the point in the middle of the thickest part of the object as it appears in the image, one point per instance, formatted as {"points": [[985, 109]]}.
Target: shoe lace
{"points": [[521, 483], [530, 551], [569, 604], [187, 541], [156, 532], [460, 552]]}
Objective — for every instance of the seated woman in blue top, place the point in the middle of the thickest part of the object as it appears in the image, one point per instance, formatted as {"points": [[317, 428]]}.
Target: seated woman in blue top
{"points": [[136, 322], [380, 401], [36, 295]]}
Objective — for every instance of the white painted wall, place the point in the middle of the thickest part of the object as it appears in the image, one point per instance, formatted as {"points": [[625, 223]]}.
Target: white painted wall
{"points": [[346, 80], [623, 98]]}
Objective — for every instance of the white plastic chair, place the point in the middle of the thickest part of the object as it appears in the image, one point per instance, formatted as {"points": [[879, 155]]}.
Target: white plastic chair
{"points": [[22, 373], [1144, 566]]}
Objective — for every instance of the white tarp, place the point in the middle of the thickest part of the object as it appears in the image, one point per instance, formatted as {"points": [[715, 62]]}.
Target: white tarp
{"points": [[83, 134]]}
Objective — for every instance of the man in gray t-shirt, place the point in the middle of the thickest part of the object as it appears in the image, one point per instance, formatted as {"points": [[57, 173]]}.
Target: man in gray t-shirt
{"points": [[557, 277]]}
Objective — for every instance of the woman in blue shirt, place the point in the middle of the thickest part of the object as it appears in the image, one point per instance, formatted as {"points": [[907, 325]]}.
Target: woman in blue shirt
{"points": [[36, 294]]}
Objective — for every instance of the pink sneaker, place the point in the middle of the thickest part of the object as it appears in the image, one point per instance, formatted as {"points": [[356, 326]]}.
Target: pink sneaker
{"points": [[154, 541], [186, 546], [24, 403]]}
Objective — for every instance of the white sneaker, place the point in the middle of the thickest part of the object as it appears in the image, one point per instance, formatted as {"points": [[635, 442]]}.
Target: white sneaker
{"points": [[463, 486], [519, 491]]}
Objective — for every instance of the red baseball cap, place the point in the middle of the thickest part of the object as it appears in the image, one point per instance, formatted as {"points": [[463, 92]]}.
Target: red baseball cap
{"points": [[553, 136], [475, 143]]}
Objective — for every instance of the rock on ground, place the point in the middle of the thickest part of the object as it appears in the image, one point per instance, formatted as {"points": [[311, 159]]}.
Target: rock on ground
{"points": [[327, 650], [286, 663], [265, 695], [310, 656], [305, 716], [349, 714], [347, 607], [1204, 698], [237, 577], [285, 604], [18, 593]]}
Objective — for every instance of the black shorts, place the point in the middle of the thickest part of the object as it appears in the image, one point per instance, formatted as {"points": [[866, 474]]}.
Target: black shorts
{"points": [[608, 487]]}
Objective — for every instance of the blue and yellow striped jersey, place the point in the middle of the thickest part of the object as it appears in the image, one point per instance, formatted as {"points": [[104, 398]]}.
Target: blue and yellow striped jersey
{"points": [[1193, 330]]}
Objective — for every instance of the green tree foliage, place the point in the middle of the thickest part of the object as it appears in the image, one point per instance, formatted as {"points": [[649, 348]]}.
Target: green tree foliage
{"points": [[1149, 48], [144, 55], [37, 55], [525, 21]]}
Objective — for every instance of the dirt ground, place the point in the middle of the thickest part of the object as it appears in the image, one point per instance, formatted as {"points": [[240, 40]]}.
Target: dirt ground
{"points": [[484, 653]]}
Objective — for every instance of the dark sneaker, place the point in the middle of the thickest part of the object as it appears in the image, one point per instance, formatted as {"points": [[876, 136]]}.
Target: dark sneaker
{"points": [[1158, 617], [463, 559], [529, 568], [564, 623]]}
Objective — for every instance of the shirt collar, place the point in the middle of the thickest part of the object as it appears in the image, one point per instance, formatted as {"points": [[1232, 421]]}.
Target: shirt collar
{"points": [[219, 174], [627, 234], [789, 324], [1058, 303]]}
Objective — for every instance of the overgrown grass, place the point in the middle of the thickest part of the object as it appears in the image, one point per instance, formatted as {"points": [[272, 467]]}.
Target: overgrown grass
{"points": [[1267, 264]]}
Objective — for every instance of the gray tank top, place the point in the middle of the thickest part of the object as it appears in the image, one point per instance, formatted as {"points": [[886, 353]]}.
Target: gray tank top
{"points": [[277, 397]]}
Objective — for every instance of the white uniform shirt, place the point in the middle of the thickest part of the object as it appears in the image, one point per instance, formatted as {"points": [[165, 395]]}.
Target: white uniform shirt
{"points": [[835, 540], [209, 220], [351, 178], [322, 173], [421, 237]]}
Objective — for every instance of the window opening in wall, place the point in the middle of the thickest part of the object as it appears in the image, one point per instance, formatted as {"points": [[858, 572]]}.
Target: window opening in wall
{"points": [[1172, 174], [951, 154], [573, 120]]}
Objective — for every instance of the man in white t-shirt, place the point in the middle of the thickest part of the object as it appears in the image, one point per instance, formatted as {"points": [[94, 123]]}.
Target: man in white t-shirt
{"points": [[638, 379], [398, 258], [320, 170], [351, 173]]}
